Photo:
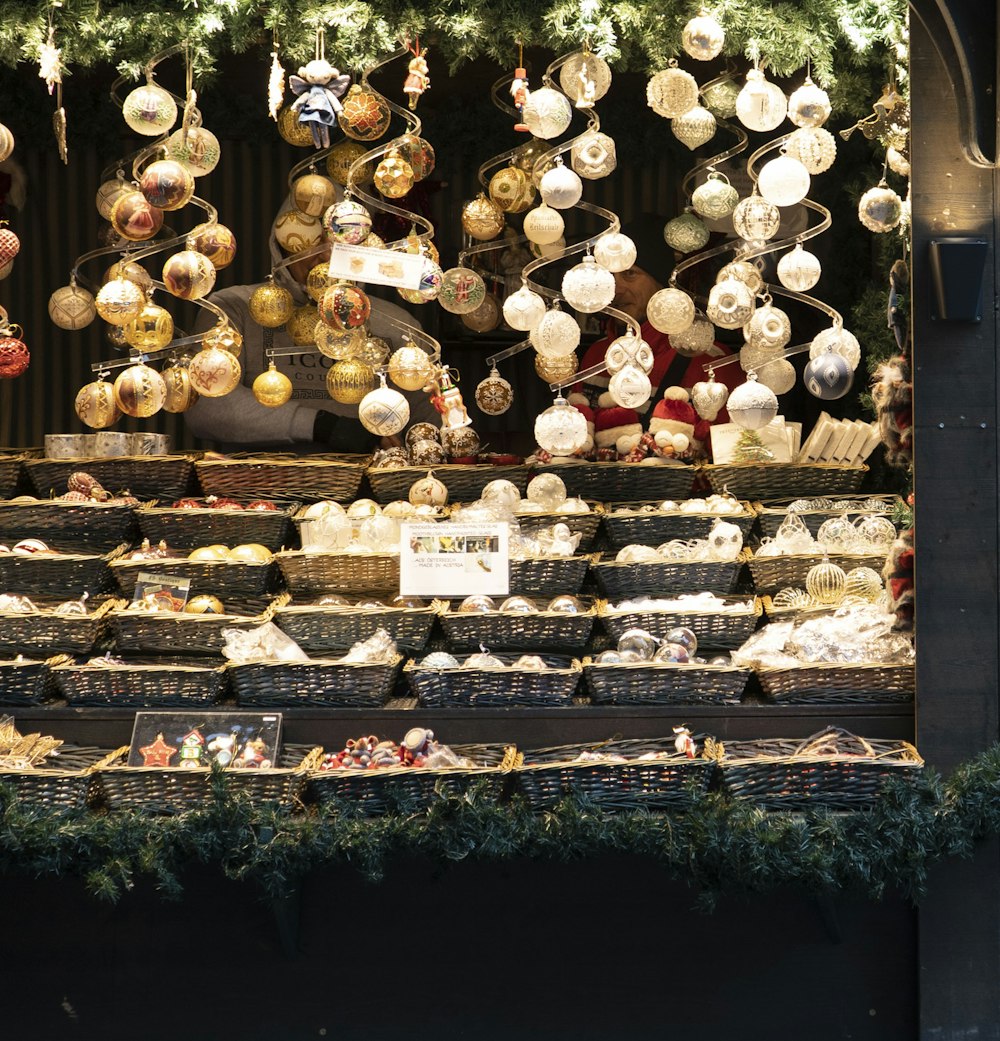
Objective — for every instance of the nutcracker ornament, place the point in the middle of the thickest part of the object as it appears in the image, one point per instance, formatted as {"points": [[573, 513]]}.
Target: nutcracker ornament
{"points": [[519, 92], [417, 76], [319, 87], [447, 399]]}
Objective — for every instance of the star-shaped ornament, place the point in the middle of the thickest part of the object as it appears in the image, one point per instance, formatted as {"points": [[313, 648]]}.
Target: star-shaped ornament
{"points": [[159, 753]]}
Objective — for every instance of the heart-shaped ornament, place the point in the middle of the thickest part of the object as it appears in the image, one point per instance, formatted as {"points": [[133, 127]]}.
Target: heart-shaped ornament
{"points": [[709, 398]]}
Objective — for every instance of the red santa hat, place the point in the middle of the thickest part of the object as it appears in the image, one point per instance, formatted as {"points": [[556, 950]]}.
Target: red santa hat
{"points": [[615, 422], [673, 412]]}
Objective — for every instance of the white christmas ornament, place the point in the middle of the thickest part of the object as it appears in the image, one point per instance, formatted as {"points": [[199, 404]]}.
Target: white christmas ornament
{"points": [[730, 304], [556, 335], [561, 429], [560, 187], [814, 147], [686, 233], [725, 541], [615, 251], [755, 219], [672, 92], [783, 181], [716, 198], [587, 287], [428, 491], [670, 311], [880, 209], [547, 113], [594, 155], [697, 338], [761, 105], [543, 225], [703, 37], [745, 272], [752, 405], [523, 309], [694, 128], [799, 270], [384, 411], [768, 327], [809, 105], [777, 375], [72, 307], [630, 387], [585, 77], [837, 339], [709, 397]]}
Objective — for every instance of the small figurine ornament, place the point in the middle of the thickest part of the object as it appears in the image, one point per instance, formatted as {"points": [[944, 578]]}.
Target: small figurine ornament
{"points": [[519, 92], [320, 87], [417, 78], [684, 742], [447, 399]]}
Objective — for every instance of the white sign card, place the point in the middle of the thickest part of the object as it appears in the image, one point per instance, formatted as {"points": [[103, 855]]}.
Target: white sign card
{"points": [[454, 560], [382, 266]]}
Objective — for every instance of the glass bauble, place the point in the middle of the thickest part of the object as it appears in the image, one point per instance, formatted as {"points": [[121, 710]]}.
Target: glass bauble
{"points": [[364, 115], [814, 147], [167, 184], [410, 367], [494, 395], [482, 218], [556, 370], [334, 344], [615, 251], [672, 92], [875, 532], [119, 301], [730, 304], [462, 290], [880, 209], [511, 189], [686, 233], [384, 411], [225, 337], [318, 281], [214, 241], [132, 272], [371, 349], [556, 335], [709, 397], [431, 277], [838, 339], [777, 375], [755, 219], [696, 339], [561, 429], [745, 272], [418, 153], [139, 391], [751, 357], [547, 113], [349, 381], [543, 225], [825, 582], [585, 77], [344, 306], [769, 326], [393, 176], [272, 388], [302, 324], [594, 155], [761, 105], [638, 642], [108, 194], [720, 98], [752, 405], [629, 350], [180, 394], [809, 105], [188, 275], [703, 38], [342, 156], [347, 221], [313, 194], [428, 491], [898, 162], [72, 307], [799, 270], [828, 376], [783, 181], [670, 311], [587, 287], [523, 309], [485, 318], [214, 372], [6, 143], [548, 490], [865, 583], [630, 387], [297, 231], [696, 127], [716, 198], [149, 110], [837, 535], [115, 335], [294, 132], [150, 330], [196, 148], [96, 406], [560, 187], [14, 357], [134, 218]]}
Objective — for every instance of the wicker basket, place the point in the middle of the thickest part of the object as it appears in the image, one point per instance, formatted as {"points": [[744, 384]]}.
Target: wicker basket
{"points": [[161, 684], [496, 688], [64, 783], [833, 769], [621, 581], [784, 480], [776, 614], [145, 476], [510, 631], [545, 577], [306, 478], [839, 684], [226, 579], [12, 470], [407, 789], [165, 632], [45, 631], [318, 683], [663, 683], [29, 682], [716, 630], [637, 527], [93, 526], [622, 482], [464, 483], [586, 524], [670, 782], [325, 629], [188, 528], [770, 574], [772, 514], [67, 575], [175, 789], [315, 573]]}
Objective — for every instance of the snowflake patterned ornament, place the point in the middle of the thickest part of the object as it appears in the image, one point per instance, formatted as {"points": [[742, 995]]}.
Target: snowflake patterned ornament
{"points": [[494, 395]]}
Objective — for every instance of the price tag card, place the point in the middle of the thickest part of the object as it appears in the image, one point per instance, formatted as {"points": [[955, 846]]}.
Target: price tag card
{"points": [[380, 266], [454, 560]]}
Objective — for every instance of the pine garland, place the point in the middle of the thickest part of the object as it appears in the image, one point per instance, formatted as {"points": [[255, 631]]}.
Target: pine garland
{"points": [[718, 845]]}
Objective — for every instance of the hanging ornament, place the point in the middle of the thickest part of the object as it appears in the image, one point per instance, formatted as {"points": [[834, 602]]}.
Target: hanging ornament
{"points": [[730, 304], [593, 155], [372, 350], [225, 337], [302, 324], [768, 327], [899, 164], [523, 309], [686, 233], [14, 354], [485, 318], [96, 406], [151, 329], [880, 208], [344, 306], [313, 194], [196, 148], [462, 290], [828, 376], [745, 272], [482, 218], [809, 105], [348, 222], [343, 155], [72, 307], [697, 338], [410, 368], [149, 110], [670, 311], [119, 301], [720, 98], [560, 187], [561, 429], [703, 37], [6, 143], [428, 491], [349, 381], [709, 397], [696, 127], [447, 400], [752, 357], [783, 181], [628, 350], [417, 76], [585, 78], [547, 113], [214, 241], [511, 190], [337, 345], [167, 184], [543, 225], [108, 194], [365, 115], [418, 153], [615, 252], [272, 388], [214, 372], [275, 82], [10, 246], [188, 275], [588, 287], [799, 270], [271, 305], [431, 277], [393, 176], [837, 339], [825, 582], [384, 411], [140, 391], [297, 231], [494, 395], [672, 92], [556, 370], [814, 147], [131, 272], [180, 394], [752, 405], [519, 93], [864, 582], [778, 375], [630, 387], [755, 219], [716, 198], [556, 335], [134, 218], [761, 105]]}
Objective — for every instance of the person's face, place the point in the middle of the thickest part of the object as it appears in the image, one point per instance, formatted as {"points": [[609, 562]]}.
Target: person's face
{"points": [[633, 289]]}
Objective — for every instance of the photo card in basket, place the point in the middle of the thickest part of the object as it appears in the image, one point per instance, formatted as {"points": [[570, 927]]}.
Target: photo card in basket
{"points": [[161, 592], [232, 740]]}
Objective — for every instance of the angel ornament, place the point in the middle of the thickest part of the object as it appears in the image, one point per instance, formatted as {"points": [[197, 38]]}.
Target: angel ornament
{"points": [[319, 87], [417, 76]]}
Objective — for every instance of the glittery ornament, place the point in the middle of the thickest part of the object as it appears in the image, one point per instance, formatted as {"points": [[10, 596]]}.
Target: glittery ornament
{"points": [[96, 406], [494, 395], [482, 218], [615, 251], [875, 533], [585, 77], [318, 281], [560, 187], [425, 452], [418, 153], [696, 127], [670, 311], [410, 367], [431, 277], [271, 305], [72, 307], [462, 290], [556, 370], [672, 92], [108, 194], [335, 344], [751, 357], [716, 198], [828, 376], [393, 176], [167, 184], [630, 387], [140, 391], [134, 218], [752, 405], [511, 189], [783, 181], [196, 148], [696, 339], [180, 394], [838, 339], [297, 231], [460, 441], [755, 219], [188, 275], [799, 270], [302, 324], [384, 411], [814, 147], [809, 105], [587, 287], [149, 110], [131, 272], [702, 37], [342, 157], [119, 301], [485, 318], [225, 337], [593, 155], [272, 388], [880, 209], [547, 113], [686, 233], [523, 309], [543, 225], [348, 222], [825, 582], [364, 115], [214, 372], [294, 132], [151, 330], [768, 327], [6, 143], [898, 162], [720, 98], [372, 350], [865, 583], [344, 306], [730, 304], [778, 375], [761, 105], [214, 241], [556, 335], [561, 429], [14, 357], [349, 381], [709, 397], [628, 350]]}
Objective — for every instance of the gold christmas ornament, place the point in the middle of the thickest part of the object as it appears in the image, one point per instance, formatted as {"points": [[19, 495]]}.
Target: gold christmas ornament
{"points": [[495, 395], [418, 153], [294, 132], [180, 394], [393, 176], [72, 307], [196, 148], [511, 190], [272, 388], [297, 231], [214, 372], [672, 92], [342, 157], [214, 241], [108, 194], [349, 381], [556, 370], [6, 143], [150, 330], [119, 301], [482, 218], [226, 338], [335, 344], [135, 218], [485, 318], [115, 335], [167, 184], [96, 406], [132, 272], [302, 325], [410, 367], [313, 194], [364, 115], [204, 603], [826, 582], [140, 391], [318, 281], [271, 305], [189, 275]]}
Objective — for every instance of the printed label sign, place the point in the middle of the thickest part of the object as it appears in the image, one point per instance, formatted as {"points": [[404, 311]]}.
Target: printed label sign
{"points": [[454, 560]]}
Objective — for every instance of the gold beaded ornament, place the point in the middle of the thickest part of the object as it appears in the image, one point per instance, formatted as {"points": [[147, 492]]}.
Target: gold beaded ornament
{"points": [[342, 157], [825, 582], [350, 380], [180, 394], [511, 190], [294, 132], [482, 218], [318, 281], [271, 305], [302, 324], [410, 367], [96, 406], [272, 388]]}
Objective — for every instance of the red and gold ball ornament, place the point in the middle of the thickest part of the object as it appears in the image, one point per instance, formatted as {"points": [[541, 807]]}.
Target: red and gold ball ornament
{"points": [[482, 218], [189, 275], [301, 326], [167, 184], [10, 246], [342, 157], [271, 305], [96, 406], [318, 281], [14, 354], [418, 153], [214, 372], [140, 391], [349, 381], [180, 394], [344, 307], [226, 338], [364, 115], [72, 307], [410, 367], [394, 176], [272, 388], [313, 194], [294, 132], [214, 241], [150, 330], [119, 301], [135, 218]]}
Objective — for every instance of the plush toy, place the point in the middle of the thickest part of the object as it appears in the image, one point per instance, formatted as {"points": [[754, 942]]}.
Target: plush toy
{"points": [[676, 427], [898, 575], [581, 403], [319, 86], [615, 427], [892, 393]]}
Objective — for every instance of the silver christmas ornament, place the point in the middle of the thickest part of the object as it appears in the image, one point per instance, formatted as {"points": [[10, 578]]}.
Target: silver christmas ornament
{"points": [[593, 155], [828, 376], [709, 397], [697, 338], [523, 309], [670, 311], [837, 339], [730, 304], [686, 233], [809, 105], [615, 251], [768, 327], [716, 198], [585, 77], [755, 219], [814, 147], [880, 209], [720, 98], [547, 113], [588, 287], [745, 272], [672, 92], [761, 105], [799, 270], [777, 375], [703, 37], [694, 128], [752, 405]]}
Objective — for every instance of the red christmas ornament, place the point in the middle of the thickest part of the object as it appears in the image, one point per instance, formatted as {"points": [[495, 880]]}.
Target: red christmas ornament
{"points": [[159, 753], [14, 357], [10, 246]]}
